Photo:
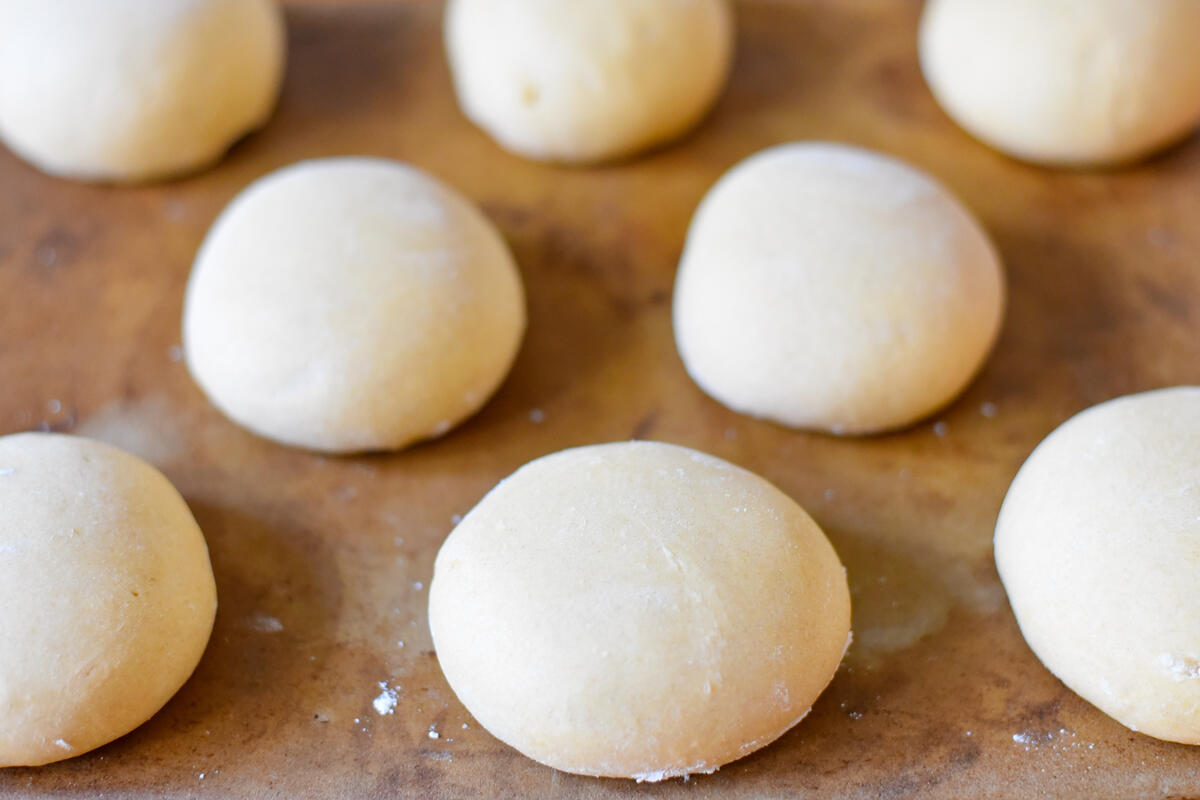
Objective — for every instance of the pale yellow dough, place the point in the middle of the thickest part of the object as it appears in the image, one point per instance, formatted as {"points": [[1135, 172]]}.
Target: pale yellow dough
{"points": [[107, 597], [833, 288], [587, 80], [1066, 82], [135, 90], [638, 610], [352, 304], [1098, 545]]}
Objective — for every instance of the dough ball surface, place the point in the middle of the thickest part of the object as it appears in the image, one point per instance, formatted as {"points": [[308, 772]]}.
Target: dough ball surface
{"points": [[107, 597], [1098, 545], [1066, 82], [638, 610], [133, 90], [352, 304], [587, 80], [836, 289]]}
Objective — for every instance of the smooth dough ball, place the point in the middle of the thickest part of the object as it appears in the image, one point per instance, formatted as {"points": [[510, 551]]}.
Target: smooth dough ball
{"points": [[352, 304], [1097, 545], [835, 289], [107, 597], [587, 80], [638, 610], [133, 90], [1066, 82]]}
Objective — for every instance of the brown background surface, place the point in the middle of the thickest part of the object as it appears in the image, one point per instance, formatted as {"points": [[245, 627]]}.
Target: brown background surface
{"points": [[939, 696]]}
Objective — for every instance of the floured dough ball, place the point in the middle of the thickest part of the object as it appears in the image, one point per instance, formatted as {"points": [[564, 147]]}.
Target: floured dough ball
{"points": [[638, 610], [836, 289], [133, 90], [587, 80], [106, 595], [1098, 545], [352, 304], [1066, 82]]}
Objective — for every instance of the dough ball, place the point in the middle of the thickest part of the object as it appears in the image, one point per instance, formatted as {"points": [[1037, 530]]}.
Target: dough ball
{"points": [[106, 595], [638, 610], [1097, 545], [133, 90], [587, 80], [1066, 82], [352, 304], [836, 289]]}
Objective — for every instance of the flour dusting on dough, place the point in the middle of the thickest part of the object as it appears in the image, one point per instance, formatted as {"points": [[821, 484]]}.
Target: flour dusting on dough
{"points": [[1180, 668]]}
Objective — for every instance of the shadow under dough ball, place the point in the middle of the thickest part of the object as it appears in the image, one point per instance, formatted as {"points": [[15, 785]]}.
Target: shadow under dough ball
{"points": [[1066, 82], [135, 90]]}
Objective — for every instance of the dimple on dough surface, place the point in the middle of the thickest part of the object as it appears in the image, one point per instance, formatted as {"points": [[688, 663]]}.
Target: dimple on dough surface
{"points": [[638, 610], [588, 80]]}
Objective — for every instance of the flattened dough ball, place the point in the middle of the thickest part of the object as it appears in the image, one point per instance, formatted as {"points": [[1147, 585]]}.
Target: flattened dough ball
{"points": [[638, 610], [352, 304], [133, 90], [1098, 545], [836, 289], [587, 80], [1066, 82], [107, 597]]}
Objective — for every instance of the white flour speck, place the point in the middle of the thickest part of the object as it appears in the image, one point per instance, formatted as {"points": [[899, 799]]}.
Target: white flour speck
{"points": [[829, 495], [175, 354], [400, 643], [63, 744], [455, 519], [940, 429], [989, 410], [433, 734], [537, 416], [264, 623], [201, 776], [385, 704], [1180, 668], [54, 405], [418, 586], [465, 726]]}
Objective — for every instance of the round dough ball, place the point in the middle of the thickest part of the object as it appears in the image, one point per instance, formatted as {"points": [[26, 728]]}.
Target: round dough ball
{"points": [[638, 610], [587, 80], [1097, 545], [107, 597], [836, 289], [352, 304], [133, 90], [1066, 82]]}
